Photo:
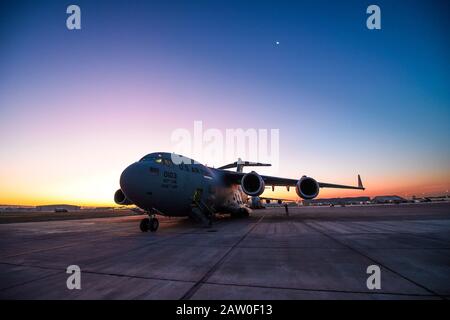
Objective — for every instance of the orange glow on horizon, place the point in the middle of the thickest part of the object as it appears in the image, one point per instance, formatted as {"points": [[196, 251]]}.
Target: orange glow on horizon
{"points": [[86, 193], [427, 186]]}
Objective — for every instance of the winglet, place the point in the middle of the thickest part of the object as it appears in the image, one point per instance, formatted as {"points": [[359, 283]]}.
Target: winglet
{"points": [[360, 185]]}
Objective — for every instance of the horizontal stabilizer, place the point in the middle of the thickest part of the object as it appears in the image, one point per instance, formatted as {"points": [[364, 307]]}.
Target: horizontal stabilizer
{"points": [[241, 164]]}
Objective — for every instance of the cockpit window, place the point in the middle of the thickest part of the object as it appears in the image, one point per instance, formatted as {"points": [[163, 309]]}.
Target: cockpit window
{"points": [[154, 157], [169, 160]]}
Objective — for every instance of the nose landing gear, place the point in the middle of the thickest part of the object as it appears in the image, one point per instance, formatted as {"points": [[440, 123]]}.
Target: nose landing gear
{"points": [[149, 224]]}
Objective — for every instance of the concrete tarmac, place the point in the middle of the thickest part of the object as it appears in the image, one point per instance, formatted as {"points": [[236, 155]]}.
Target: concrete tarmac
{"points": [[315, 253]]}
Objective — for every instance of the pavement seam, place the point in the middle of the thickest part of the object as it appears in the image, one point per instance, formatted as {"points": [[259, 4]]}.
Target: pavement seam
{"points": [[93, 272], [84, 272], [89, 241], [319, 290], [209, 273], [308, 223], [29, 281], [52, 248], [206, 282]]}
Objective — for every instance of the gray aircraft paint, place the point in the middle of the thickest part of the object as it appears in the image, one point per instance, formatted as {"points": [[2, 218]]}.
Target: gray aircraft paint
{"points": [[157, 185]]}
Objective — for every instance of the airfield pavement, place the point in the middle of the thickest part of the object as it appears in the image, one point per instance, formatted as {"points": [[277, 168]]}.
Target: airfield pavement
{"points": [[314, 253]]}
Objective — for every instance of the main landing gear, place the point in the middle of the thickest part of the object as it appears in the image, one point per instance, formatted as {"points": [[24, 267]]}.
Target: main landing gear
{"points": [[149, 224], [240, 213]]}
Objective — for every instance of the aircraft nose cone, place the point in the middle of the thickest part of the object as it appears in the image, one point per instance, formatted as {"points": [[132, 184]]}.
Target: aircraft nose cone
{"points": [[129, 181]]}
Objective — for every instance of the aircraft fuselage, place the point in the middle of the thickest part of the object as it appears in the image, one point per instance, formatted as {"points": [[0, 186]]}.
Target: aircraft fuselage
{"points": [[158, 184]]}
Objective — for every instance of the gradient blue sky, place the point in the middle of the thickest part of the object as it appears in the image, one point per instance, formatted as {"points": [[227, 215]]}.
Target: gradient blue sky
{"points": [[346, 99]]}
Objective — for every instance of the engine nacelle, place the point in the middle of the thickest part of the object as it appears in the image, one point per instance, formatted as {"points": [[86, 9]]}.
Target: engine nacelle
{"points": [[307, 188], [253, 184], [120, 198]]}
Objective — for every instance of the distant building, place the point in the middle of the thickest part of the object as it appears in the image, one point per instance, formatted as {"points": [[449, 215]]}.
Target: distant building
{"points": [[57, 207], [431, 199], [339, 201], [13, 208], [388, 199]]}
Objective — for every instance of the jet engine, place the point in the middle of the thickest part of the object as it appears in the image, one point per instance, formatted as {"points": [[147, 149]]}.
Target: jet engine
{"points": [[120, 198], [307, 188], [253, 184]]}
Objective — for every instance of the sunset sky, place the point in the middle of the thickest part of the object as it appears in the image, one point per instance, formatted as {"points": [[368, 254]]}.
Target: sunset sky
{"points": [[78, 106]]}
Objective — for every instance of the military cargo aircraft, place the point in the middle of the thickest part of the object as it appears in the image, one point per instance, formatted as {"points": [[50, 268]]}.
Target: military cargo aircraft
{"points": [[167, 184]]}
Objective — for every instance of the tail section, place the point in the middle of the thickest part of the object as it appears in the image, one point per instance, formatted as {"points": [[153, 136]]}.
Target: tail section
{"points": [[360, 185]]}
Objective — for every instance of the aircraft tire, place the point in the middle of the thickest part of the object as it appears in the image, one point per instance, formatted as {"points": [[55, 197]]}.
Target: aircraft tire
{"points": [[154, 224], [145, 225]]}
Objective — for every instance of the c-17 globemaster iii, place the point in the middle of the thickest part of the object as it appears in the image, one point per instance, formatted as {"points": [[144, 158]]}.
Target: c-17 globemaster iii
{"points": [[172, 185]]}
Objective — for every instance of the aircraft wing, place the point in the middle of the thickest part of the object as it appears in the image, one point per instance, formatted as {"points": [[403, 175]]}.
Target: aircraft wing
{"points": [[276, 199], [235, 178], [340, 186]]}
